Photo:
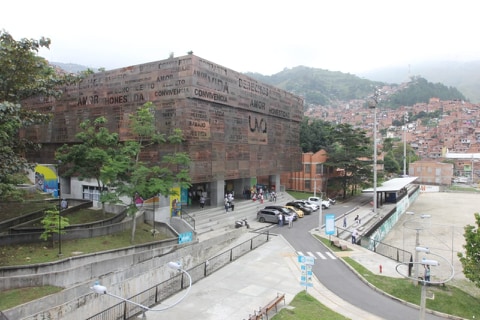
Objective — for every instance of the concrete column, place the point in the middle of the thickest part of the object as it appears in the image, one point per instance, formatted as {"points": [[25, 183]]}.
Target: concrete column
{"points": [[216, 192], [275, 181]]}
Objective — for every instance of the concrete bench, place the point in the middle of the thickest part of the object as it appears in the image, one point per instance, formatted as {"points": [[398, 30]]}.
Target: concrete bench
{"points": [[337, 244]]}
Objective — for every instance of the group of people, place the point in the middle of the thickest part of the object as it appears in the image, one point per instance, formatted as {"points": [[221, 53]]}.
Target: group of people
{"points": [[282, 218]]}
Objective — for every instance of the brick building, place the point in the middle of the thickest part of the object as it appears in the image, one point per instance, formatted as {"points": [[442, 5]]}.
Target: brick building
{"points": [[311, 178], [236, 128]]}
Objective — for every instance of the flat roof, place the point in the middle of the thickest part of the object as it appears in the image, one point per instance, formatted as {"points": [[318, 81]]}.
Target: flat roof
{"points": [[392, 185]]}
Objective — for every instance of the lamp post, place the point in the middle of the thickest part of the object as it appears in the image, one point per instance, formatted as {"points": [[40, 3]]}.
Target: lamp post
{"points": [[98, 288], [374, 107], [59, 211], [427, 263], [417, 227], [405, 145]]}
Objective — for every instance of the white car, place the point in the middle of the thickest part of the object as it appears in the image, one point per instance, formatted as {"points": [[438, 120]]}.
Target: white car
{"points": [[318, 200], [312, 205]]}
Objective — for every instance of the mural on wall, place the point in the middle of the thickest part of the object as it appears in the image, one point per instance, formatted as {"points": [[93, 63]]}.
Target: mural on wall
{"points": [[46, 180]]}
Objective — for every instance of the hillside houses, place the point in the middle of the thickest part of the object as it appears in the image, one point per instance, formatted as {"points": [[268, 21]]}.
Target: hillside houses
{"points": [[457, 129]]}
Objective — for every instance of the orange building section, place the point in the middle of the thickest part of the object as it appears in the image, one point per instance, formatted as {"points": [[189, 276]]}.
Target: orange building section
{"points": [[312, 178]]}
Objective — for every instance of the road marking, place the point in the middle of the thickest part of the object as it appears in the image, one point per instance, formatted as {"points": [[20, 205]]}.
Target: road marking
{"points": [[331, 255], [323, 255]]}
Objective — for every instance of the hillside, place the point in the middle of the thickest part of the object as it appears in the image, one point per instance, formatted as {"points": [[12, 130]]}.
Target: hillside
{"points": [[328, 88], [465, 76]]}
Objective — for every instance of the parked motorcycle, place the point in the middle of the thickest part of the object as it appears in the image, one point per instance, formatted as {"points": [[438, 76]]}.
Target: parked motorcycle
{"points": [[241, 223], [332, 201]]}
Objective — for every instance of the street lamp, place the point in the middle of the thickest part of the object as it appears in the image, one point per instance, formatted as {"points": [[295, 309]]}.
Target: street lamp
{"points": [[98, 288], [59, 211], [417, 227], [427, 263], [374, 107], [405, 147]]}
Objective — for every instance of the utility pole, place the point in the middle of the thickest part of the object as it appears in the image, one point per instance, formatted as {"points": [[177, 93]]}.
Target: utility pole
{"points": [[405, 144]]}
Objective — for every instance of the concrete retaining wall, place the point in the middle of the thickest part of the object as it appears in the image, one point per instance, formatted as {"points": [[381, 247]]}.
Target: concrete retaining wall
{"points": [[125, 273]]}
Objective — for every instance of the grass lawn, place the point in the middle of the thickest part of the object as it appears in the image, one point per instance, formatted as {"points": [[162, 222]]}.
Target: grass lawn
{"points": [[306, 307], [42, 251]]}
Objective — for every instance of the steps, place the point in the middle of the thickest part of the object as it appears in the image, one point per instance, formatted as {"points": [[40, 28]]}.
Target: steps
{"points": [[215, 219]]}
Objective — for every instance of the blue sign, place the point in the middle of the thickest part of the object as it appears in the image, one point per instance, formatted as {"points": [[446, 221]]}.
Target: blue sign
{"points": [[185, 237], [330, 224]]}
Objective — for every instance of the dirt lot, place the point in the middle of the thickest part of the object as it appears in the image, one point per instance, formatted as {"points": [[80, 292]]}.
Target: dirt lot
{"points": [[442, 233]]}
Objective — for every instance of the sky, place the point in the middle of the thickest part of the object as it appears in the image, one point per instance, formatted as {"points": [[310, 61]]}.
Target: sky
{"points": [[264, 36]]}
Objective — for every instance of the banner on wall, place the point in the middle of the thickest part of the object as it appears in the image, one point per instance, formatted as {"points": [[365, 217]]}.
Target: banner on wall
{"points": [[427, 188]]}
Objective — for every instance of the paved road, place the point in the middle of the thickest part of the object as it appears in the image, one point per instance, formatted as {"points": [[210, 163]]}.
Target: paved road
{"points": [[338, 278]]}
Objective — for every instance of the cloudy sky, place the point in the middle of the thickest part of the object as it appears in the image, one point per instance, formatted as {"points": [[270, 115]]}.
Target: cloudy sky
{"points": [[262, 36]]}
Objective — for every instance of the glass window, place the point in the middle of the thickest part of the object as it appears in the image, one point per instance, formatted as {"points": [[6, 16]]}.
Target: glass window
{"points": [[307, 168], [308, 185]]}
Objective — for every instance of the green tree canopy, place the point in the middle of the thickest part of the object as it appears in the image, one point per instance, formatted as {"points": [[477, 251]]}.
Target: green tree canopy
{"points": [[22, 75], [471, 259]]}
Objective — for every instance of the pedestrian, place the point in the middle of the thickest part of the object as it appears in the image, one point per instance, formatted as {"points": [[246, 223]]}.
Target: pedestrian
{"points": [[138, 200], [345, 221], [354, 236], [232, 205], [261, 198], [427, 273], [357, 219], [280, 220], [225, 203], [64, 204], [202, 201], [290, 221]]}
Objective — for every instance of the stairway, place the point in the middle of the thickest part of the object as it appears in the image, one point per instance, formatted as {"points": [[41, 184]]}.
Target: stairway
{"points": [[216, 220]]}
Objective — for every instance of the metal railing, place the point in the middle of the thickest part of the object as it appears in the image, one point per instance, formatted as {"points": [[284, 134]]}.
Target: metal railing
{"points": [[156, 294], [386, 250]]}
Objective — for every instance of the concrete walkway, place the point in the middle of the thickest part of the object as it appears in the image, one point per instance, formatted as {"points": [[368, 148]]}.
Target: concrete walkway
{"points": [[240, 288]]}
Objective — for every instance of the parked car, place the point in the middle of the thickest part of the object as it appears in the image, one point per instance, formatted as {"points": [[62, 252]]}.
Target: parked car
{"points": [[298, 205], [309, 204], [299, 212], [318, 200], [268, 215], [284, 210], [271, 215]]}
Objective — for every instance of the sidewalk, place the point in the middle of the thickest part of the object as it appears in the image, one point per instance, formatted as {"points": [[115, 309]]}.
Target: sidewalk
{"points": [[240, 288]]}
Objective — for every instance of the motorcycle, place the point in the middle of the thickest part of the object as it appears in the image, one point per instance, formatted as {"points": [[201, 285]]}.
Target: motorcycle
{"points": [[241, 223], [332, 201]]}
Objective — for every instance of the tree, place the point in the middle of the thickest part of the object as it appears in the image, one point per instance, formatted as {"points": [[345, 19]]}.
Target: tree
{"points": [[50, 223], [352, 152], [315, 135], [22, 75], [471, 259], [88, 158], [127, 174]]}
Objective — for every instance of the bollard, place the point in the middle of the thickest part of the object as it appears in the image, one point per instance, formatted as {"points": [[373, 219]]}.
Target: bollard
{"points": [[380, 268]]}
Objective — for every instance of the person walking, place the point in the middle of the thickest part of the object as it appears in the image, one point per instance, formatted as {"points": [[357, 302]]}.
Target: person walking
{"points": [[290, 221], [232, 204], [202, 201], [345, 221], [225, 203], [280, 220], [354, 236]]}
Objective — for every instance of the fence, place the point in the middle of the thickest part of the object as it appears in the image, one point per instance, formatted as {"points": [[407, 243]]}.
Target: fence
{"points": [[154, 295], [386, 250]]}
